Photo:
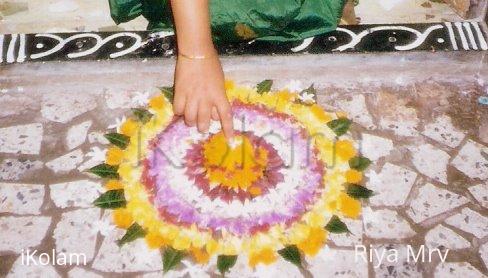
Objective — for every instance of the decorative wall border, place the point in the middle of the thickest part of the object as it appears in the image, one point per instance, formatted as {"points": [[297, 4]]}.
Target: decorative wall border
{"points": [[448, 36]]}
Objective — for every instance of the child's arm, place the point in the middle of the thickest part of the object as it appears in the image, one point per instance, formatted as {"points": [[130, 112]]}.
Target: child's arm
{"points": [[199, 79]]}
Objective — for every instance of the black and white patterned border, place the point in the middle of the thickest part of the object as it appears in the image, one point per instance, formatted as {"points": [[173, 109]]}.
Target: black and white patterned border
{"points": [[448, 36]]}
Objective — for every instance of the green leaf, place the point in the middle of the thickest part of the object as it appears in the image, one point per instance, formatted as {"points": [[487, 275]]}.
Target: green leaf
{"points": [[105, 171], [339, 126], [359, 163], [171, 258], [291, 254], [111, 199], [117, 139], [168, 93], [336, 226], [134, 232], [310, 90], [264, 86], [225, 262], [142, 114], [358, 191]]}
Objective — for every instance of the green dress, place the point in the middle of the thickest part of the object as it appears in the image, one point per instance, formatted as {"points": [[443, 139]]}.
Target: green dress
{"points": [[240, 20]]}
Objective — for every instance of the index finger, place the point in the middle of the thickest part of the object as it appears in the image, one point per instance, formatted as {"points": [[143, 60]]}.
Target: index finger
{"points": [[226, 122]]}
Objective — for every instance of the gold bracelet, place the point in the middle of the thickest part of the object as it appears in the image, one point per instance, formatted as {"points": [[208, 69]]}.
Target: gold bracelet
{"points": [[195, 57]]}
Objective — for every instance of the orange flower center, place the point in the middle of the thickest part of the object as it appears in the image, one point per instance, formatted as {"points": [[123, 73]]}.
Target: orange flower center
{"points": [[236, 165]]}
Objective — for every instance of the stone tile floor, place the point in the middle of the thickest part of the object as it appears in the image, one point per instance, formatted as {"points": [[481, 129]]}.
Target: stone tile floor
{"points": [[428, 140]]}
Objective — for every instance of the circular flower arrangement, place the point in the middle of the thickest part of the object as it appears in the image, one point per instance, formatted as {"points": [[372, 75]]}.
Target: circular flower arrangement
{"points": [[276, 189]]}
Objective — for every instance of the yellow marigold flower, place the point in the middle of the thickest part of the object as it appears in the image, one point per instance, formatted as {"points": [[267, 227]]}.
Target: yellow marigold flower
{"points": [[315, 219], [349, 206], [182, 242], [132, 152], [331, 205], [253, 97], [265, 256], [320, 114], [326, 148], [198, 241], [345, 150], [114, 156], [312, 245], [282, 95], [298, 233], [240, 94], [157, 102], [353, 176], [125, 171], [169, 231], [155, 241], [200, 256], [129, 128], [283, 99], [269, 100], [260, 241], [212, 246], [122, 218], [113, 185]]}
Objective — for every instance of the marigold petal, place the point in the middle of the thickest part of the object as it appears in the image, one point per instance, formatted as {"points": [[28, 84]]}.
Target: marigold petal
{"points": [[298, 233], [157, 102], [345, 149], [200, 256], [113, 185], [265, 256], [212, 246], [349, 206], [156, 241], [114, 156], [182, 242], [122, 218], [320, 114], [169, 231], [315, 219], [353, 176], [129, 128], [312, 245], [125, 171]]}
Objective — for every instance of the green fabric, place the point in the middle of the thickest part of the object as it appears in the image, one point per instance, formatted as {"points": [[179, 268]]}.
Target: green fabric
{"points": [[240, 20]]}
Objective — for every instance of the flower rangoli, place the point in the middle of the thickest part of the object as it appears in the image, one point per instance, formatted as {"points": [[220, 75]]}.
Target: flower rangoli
{"points": [[278, 188]]}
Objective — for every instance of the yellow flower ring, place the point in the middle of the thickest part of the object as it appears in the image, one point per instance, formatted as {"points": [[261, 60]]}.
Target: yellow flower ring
{"points": [[284, 181]]}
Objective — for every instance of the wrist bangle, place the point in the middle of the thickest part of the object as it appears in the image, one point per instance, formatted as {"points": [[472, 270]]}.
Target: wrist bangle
{"points": [[195, 57]]}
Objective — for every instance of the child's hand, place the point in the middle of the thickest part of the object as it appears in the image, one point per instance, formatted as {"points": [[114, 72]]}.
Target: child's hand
{"points": [[200, 93], [199, 83]]}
